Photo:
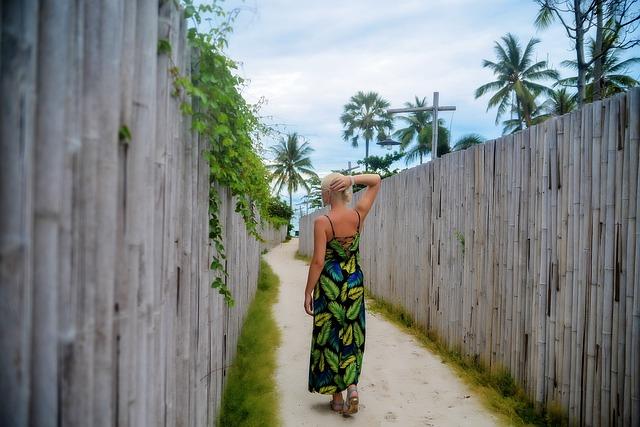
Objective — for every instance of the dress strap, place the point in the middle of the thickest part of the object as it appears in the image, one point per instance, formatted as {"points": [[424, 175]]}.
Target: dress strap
{"points": [[358, 218], [332, 230]]}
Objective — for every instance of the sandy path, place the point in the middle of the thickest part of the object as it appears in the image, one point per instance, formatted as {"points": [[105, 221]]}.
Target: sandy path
{"points": [[401, 382]]}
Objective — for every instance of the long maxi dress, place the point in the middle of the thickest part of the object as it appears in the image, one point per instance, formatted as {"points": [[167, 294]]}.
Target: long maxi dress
{"points": [[338, 336]]}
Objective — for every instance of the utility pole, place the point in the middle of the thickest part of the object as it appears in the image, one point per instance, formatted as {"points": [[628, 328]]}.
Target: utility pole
{"points": [[434, 110], [348, 169]]}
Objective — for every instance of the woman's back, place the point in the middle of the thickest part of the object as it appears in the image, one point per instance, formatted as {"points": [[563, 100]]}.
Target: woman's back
{"points": [[344, 223]]}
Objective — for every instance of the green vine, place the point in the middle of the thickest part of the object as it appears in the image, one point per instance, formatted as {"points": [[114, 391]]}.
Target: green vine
{"points": [[460, 237], [211, 95]]}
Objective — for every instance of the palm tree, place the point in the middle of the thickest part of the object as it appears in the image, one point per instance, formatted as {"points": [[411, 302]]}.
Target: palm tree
{"points": [[314, 196], [291, 161], [419, 129], [560, 102], [467, 141], [613, 80], [365, 116], [516, 86], [539, 113]]}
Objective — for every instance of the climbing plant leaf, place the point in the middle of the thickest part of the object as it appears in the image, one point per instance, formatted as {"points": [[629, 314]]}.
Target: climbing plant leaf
{"points": [[211, 94]]}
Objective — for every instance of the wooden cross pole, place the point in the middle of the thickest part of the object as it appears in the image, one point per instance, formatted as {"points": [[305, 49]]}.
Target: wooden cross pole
{"points": [[434, 109], [348, 169]]}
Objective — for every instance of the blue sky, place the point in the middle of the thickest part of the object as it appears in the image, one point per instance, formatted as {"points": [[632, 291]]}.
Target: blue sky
{"points": [[308, 58]]}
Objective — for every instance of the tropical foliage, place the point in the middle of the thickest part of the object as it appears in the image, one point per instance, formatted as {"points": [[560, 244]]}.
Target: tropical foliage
{"points": [[382, 164], [314, 196], [560, 102], [614, 78], [291, 165], [518, 80], [538, 115], [419, 131], [364, 118], [467, 141], [615, 24], [211, 96], [279, 211]]}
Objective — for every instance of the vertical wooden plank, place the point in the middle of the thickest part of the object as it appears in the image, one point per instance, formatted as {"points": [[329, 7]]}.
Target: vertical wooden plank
{"points": [[573, 265], [124, 305], [634, 135], [541, 293], [467, 306], [631, 331], [47, 192], [137, 351], [106, 120], [592, 283], [72, 407], [551, 299], [19, 39], [622, 208], [585, 237], [184, 283], [566, 262], [601, 256], [525, 336], [609, 246]]}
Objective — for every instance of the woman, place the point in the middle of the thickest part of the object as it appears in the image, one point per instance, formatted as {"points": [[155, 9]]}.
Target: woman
{"points": [[334, 294]]}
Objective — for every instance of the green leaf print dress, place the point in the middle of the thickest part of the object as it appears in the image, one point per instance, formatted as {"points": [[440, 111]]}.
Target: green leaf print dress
{"points": [[337, 342]]}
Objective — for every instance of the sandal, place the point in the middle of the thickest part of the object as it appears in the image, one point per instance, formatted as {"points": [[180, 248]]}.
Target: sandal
{"points": [[337, 406], [351, 404]]}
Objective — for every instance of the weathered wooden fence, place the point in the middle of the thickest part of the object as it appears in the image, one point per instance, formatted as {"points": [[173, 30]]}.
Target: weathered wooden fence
{"points": [[525, 252], [106, 312]]}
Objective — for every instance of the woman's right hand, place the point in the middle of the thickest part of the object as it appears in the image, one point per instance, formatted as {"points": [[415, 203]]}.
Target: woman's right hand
{"points": [[308, 303]]}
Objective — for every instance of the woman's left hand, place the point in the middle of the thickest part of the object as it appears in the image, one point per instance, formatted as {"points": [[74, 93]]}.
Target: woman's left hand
{"points": [[308, 304]]}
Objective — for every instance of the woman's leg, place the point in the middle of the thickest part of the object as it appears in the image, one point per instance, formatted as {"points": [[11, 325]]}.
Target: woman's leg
{"points": [[353, 390], [337, 403], [351, 407]]}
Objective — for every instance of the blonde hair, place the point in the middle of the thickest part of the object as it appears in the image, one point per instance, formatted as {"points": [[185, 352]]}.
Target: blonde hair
{"points": [[326, 182]]}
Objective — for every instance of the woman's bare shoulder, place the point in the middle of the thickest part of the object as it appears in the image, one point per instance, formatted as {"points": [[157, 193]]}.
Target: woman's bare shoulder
{"points": [[320, 221]]}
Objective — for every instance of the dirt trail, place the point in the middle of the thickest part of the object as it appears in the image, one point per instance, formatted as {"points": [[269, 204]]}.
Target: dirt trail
{"points": [[401, 382]]}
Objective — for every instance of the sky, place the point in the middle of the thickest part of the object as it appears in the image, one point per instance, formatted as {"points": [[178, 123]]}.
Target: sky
{"points": [[306, 59]]}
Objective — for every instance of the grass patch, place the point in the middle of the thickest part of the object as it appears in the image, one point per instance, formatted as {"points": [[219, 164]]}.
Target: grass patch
{"points": [[302, 258], [250, 396], [497, 389]]}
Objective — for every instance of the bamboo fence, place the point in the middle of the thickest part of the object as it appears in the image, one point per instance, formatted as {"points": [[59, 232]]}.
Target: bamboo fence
{"points": [[106, 309], [524, 252]]}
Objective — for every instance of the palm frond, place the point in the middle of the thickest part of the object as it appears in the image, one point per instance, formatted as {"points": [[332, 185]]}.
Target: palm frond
{"points": [[544, 17], [467, 141]]}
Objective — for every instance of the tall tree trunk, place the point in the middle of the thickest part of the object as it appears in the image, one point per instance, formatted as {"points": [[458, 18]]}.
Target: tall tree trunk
{"points": [[582, 69], [366, 155], [527, 115], [520, 112], [420, 158], [290, 200], [597, 65]]}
